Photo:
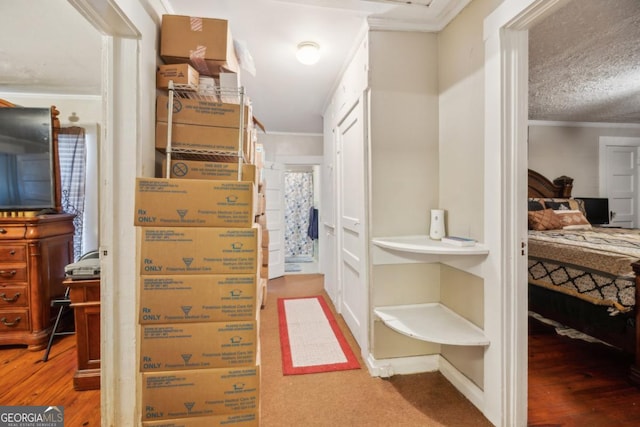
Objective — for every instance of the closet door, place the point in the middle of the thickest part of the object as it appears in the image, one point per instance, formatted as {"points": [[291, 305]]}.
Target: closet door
{"points": [[273, 174], [352, 225]]}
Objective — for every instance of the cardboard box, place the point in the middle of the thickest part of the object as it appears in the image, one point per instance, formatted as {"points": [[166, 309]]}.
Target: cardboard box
{"points": [[177, 346], [199, 250], [248, 419], [208, 87], [184, 76], [229, 85], [198, 298], [222, 140], [162, 202], [220, 171], [200, 392], [203, 112], [205, 43]]}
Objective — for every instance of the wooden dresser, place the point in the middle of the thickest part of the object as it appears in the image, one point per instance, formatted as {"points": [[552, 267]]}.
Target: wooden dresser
{"points": [[85, 301], [33, 254]]}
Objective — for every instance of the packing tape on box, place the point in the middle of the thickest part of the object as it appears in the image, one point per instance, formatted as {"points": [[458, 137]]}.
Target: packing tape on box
{"points": [[196, 23], [197, 59]]}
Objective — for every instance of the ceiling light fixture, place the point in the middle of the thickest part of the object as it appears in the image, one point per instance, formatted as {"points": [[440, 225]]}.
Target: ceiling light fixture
{"points": [[308, 53]]}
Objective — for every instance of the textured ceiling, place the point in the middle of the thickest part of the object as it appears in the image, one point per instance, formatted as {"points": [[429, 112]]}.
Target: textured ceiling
{"points": [[584, 63]]}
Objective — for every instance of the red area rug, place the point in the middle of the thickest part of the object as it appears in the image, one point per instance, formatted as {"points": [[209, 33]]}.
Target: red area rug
{"points": [[311, 339]]}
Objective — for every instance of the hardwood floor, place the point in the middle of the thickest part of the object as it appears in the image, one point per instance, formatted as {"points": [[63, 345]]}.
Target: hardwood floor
{"points": [[28, 381], [576, 383]]}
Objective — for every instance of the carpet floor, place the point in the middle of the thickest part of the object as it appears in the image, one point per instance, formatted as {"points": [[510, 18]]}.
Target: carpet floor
{"points": [[353, 397]]}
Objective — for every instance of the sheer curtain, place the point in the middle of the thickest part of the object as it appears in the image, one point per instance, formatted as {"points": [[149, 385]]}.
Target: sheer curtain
{"points": [[73, 162]]}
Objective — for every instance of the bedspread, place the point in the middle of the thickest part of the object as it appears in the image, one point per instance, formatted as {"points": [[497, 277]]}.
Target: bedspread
{"points": [[594, 265]]}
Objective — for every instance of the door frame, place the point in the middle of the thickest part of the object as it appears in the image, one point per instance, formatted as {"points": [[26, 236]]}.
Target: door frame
{"points": [[308, 161], [506, 122], [622, 141]]}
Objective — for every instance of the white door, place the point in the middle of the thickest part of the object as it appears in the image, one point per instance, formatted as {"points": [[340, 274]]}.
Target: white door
{"points": [[621, 182], [273, 175], [352, 241]]}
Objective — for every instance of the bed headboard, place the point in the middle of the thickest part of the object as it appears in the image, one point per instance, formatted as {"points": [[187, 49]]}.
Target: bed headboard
{"points": [[539, 186]]}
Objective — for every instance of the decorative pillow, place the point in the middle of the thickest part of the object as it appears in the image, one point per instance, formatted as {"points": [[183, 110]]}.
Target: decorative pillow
{"points": [[545, 219], [557, 206], [573, 220], [535, 205], [573, 204]]}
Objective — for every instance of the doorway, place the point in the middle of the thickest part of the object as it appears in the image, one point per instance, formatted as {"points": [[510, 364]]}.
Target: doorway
{"points": [[301, 210]]}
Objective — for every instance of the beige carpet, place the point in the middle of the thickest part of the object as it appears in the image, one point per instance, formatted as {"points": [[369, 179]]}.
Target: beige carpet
{"points": [[349, 398]]}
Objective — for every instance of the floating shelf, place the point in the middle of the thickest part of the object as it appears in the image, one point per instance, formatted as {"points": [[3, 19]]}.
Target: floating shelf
{"points": [[420, 248], [432, 322], [424, 245]]}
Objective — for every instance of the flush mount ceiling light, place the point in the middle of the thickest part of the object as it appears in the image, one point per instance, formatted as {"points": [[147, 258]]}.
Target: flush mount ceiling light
{"points": [[308, 53], [426, 3]]}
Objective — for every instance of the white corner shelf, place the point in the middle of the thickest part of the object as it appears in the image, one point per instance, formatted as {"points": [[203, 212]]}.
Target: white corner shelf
{"points": [[419, 248], [432, 322]]}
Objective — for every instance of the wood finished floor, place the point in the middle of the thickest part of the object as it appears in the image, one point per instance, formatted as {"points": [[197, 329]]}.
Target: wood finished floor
{"points": [[571, 383], [28, 381]]}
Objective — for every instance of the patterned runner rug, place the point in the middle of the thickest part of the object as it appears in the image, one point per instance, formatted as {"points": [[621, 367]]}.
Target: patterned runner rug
{"points": [[311, 339]]}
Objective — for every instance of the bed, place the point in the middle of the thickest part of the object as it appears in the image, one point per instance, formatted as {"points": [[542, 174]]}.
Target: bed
{"points": [[583, 276]]}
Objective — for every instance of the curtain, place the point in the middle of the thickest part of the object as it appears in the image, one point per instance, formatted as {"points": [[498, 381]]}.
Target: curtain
{"points": [[298, 201], [72, 158]]}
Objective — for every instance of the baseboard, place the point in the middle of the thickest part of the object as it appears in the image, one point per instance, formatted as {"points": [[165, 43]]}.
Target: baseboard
{"points": [[464, 385], [385, 368], [401, 365]]}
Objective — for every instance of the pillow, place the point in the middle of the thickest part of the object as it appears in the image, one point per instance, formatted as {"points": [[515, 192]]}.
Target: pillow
{"points": [[545, 219], [573, 220], [558, 203], [557, 206], [535, 205]]}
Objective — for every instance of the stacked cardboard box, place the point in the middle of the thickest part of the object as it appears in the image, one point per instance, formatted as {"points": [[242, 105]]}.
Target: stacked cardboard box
{"points": [[199, 310], [199, 246]]}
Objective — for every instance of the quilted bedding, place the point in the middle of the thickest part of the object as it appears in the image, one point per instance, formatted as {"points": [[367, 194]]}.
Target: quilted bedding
{"points": [[593, 265]]}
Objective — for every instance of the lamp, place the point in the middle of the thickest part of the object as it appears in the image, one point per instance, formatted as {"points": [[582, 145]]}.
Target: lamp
{"points": [[308, 53]]}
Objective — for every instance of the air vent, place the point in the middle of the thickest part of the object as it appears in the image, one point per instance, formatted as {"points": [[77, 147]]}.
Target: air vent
{"points": [[425, 3]]}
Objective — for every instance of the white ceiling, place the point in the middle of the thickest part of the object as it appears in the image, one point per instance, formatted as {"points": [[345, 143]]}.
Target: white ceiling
{"points": [[587, 46]]}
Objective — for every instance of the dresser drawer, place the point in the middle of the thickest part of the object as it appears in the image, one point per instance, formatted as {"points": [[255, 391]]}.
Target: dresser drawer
{"points": [[13, 296], [15, 231], [10, 273], [14, 320], [13, 253]]}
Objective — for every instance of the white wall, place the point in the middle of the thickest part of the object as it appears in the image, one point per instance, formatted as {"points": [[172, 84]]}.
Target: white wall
{"points": [[88, 109], [461, 131], [277, 145], [557, 149]]}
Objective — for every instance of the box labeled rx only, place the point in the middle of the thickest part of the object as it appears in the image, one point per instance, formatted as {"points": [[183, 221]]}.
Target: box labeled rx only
{"points": [[200, 392], [163, 202], [198, 298], [199, 250], [248, 419], [177, 346]]}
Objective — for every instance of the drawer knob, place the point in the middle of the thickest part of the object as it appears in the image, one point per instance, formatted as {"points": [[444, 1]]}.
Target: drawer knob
{"points": [[13, 299], [14, 323], [3, 231], [12, 252], [8, 273]]}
